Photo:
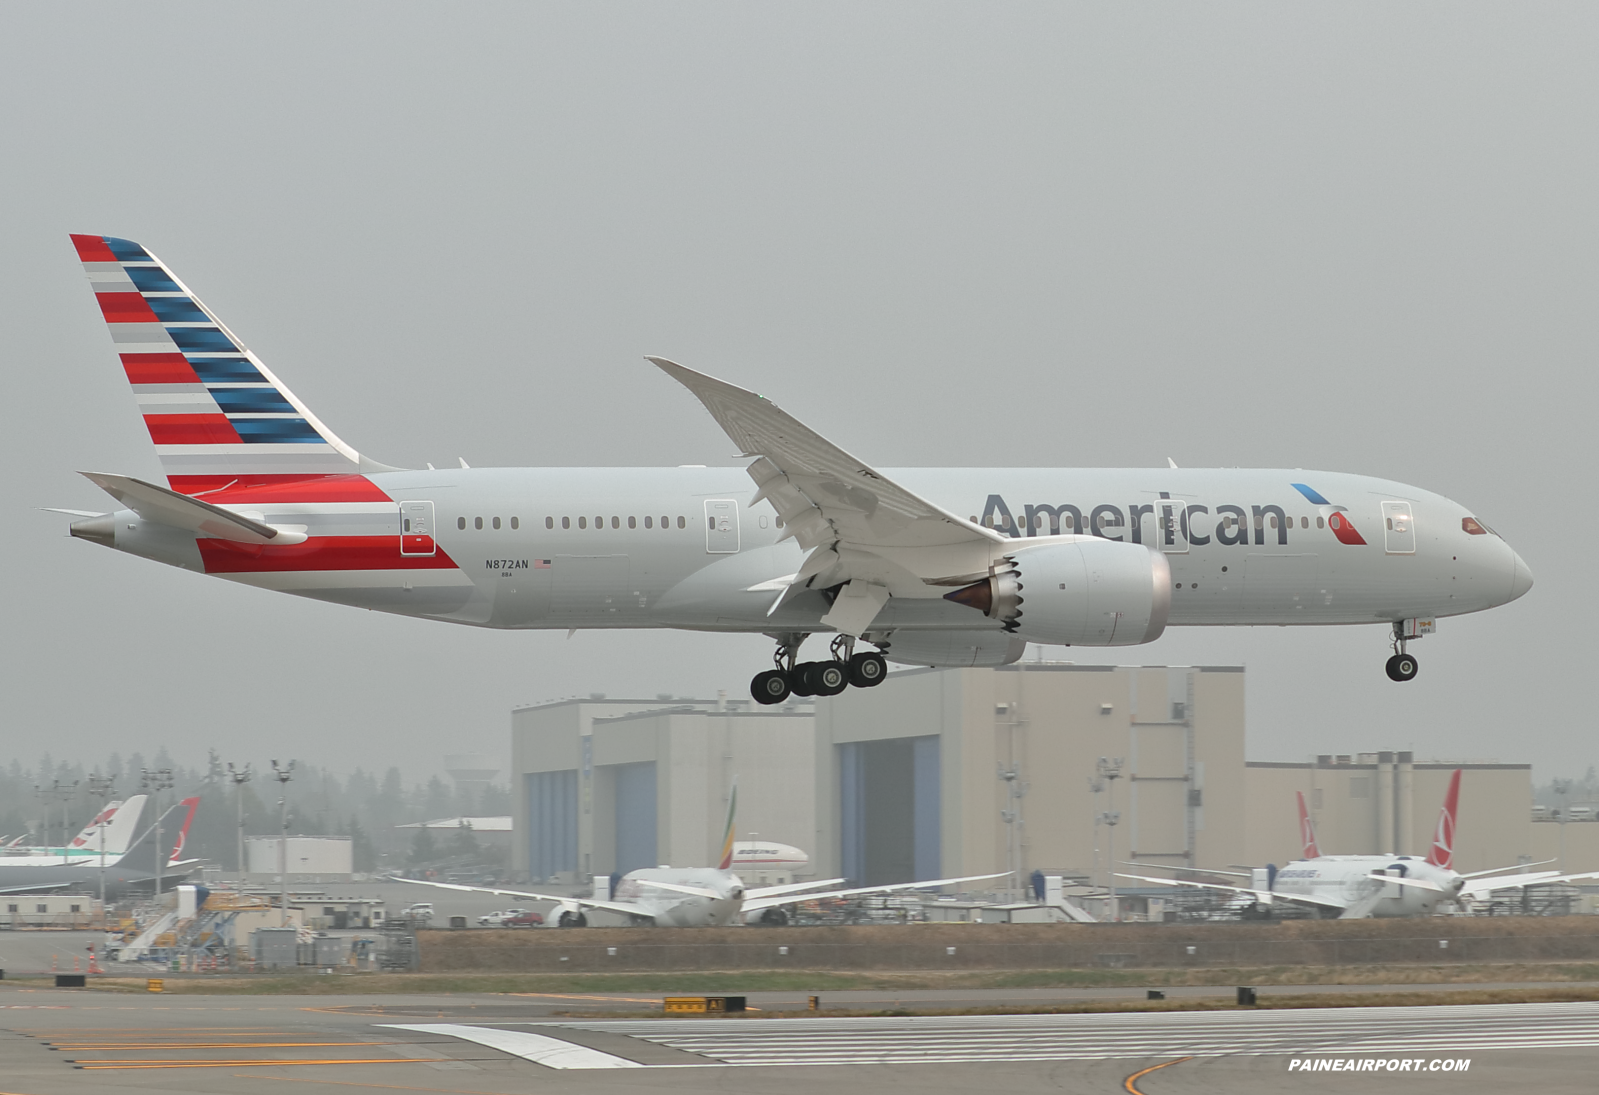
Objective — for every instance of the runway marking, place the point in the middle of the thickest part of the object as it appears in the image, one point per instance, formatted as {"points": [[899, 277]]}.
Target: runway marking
{"points": [[538, 1048], [135, 1065], [1130, 1086], [591, 996], [358, 1083], [103, 1046]]}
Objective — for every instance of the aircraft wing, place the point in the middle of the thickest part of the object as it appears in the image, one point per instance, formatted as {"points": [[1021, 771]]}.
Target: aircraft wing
{"points": [[858, 525], [760, 903], [1400, 880], [1196, 870], [791, 887], [586, 902], [1520, 868], [1268, 896], [40, 887], [1484, 886]]}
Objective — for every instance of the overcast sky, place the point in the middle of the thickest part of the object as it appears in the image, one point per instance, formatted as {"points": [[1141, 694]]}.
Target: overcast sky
{"points": [[1357, 237]]}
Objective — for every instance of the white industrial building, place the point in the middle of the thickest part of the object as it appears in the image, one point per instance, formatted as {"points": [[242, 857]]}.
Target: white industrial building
{"points": [[310, 858]]}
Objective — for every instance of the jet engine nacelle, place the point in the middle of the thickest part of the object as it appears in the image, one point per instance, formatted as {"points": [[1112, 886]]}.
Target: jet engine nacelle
{"points": [[1081, 592]]}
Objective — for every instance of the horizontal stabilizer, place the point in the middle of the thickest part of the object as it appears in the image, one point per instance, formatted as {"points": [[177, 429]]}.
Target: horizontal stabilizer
{"points": [[168, 507]]}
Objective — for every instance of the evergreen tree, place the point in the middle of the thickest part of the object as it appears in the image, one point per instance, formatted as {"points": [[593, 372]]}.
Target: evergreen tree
{"points": [[423, 848]]}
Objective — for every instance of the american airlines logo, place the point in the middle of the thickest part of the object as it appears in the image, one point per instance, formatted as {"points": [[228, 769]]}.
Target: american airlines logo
{"points": [[1187, 519]]}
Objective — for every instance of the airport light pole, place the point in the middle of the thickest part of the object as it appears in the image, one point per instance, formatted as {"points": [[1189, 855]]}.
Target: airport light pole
{"points": [[1015, 789], [63, 793], [1562, 787], [240, 776], [1110, 770], [283, 775], [100, 787], [157, 781]]}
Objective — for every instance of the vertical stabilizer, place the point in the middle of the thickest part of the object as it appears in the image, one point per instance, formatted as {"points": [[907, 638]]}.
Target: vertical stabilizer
{"points": [[1442, 852], [726, 862], [121, 822], [1307, 831]]}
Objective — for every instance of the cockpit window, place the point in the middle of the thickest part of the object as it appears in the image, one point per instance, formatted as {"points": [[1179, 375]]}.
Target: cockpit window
{"points": [[1472, 526]]}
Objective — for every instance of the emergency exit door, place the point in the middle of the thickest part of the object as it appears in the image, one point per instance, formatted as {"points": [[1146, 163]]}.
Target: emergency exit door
{"points": [[416, 529], [721, 526]]}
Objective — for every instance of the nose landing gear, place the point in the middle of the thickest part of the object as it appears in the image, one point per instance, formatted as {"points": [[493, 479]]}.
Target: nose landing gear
{"points": [[825, 678], [1402, 666]]}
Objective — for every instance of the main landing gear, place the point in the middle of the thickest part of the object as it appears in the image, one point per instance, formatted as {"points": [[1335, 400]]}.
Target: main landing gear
{"points": [[828, 678], [1402, 666]]}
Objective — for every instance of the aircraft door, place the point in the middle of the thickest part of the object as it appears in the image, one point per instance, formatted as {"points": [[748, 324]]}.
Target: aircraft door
{"points": [[1171, 526], [416, 529], [1399, 530], [721, 526]]}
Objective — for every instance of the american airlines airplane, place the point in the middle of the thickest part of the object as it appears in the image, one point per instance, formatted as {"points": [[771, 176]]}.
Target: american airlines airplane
{"points": [[943, 567], [1354, 887], [700, 897], [119, 819]]}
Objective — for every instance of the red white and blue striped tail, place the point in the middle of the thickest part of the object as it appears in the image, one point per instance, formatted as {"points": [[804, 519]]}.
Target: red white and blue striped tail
{"points": [[217, 416]]}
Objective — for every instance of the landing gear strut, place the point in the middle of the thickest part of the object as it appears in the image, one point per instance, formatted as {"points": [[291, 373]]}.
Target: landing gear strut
{"points": [[825, 678], [1402, 666]]}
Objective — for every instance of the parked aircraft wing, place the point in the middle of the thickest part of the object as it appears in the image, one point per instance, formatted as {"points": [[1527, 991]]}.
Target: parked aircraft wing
{"points": [[791, 887], [1195, 870], [760, 903], [614, 906], [1267, 896], [42, 887], [692, 891], [1414, 883], [1519, 868], [1484, 886], [857, 524], [168, 507]]}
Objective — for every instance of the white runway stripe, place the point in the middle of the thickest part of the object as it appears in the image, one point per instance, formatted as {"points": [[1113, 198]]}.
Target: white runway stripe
{"points": [[1380, 1032]]}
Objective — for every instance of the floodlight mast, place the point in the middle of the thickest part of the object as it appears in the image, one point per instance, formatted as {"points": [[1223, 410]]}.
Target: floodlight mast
{"points": [[157, 780], [1109, 769], [283, 775], [240, 776], [100, 787]]}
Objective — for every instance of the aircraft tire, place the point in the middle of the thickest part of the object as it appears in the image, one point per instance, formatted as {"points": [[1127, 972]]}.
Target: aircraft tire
{"points": [[867, 669], [829, 678], [800, 681], [770, 687], [1402, 667], [572, 920]]}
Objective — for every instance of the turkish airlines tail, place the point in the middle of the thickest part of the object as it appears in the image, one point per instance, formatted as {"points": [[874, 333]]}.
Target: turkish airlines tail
{"points": [[1442, 852], [217, 416], [1307, 831], [726, 862], [183, 833]]}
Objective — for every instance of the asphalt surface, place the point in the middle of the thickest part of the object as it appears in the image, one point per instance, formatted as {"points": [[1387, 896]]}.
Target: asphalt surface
{"points": [[59, 1041]]}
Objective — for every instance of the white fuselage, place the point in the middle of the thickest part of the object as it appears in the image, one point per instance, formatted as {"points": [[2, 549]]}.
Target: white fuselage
{"points": [[674, 909], [681, 548], [1346, 879]]}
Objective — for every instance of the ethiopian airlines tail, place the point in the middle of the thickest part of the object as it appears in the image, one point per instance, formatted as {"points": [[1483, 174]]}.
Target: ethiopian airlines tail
{"points": [[1307, 831], [217, 415], [726, 862], [1442, 852]]}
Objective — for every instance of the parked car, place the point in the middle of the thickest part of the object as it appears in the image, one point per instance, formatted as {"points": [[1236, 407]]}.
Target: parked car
{"points": [[422, 910], [497, 919], [523, 920]]}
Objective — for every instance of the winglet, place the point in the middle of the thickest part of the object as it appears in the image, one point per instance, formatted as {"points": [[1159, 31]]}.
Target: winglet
{"points": [[1442, 852], [1307, 831]]}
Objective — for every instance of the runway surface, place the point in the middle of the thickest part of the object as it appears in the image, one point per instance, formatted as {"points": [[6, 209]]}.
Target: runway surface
{"points": [[56, 1041]]}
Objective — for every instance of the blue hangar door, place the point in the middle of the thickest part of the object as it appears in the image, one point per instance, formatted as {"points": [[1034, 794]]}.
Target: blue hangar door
{"points": [[891, 817], [635, 817]]}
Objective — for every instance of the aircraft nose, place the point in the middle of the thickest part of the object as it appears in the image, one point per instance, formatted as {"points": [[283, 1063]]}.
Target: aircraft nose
{"points": [[1521, 577]]}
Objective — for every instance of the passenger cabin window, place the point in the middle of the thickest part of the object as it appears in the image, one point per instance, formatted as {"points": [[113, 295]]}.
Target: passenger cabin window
{"points": [[632, 522], [599, 522], [582, 522], [549, 522], [516, 523], [566, 522], [1304, 522], [1320, 522], [682, 523], [649, 522], [496, 522], [477, 522], [460, 522], [616, 522], [666, 522]]}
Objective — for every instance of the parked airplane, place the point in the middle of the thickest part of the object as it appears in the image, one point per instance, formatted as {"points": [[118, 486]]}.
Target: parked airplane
{"points": [[931, 566], [768, 857], [699, 897], [135, 871], [120, 820], [1358, 886]]}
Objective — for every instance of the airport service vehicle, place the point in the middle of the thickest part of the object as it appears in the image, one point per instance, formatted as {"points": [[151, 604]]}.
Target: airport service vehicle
{"points": [[1358, 886], [498, 919], [698, 897], [120, 821], [931, 566], [421, 910], [133, 873], [523, 920]]}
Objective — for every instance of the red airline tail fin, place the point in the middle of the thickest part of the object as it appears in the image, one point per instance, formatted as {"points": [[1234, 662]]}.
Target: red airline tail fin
{"points": [[183, 833], [1307, 831], [1442, 852]]}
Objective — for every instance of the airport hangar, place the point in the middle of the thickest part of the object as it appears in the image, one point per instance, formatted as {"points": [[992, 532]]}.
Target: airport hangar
{"points": [[906, 781]]}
